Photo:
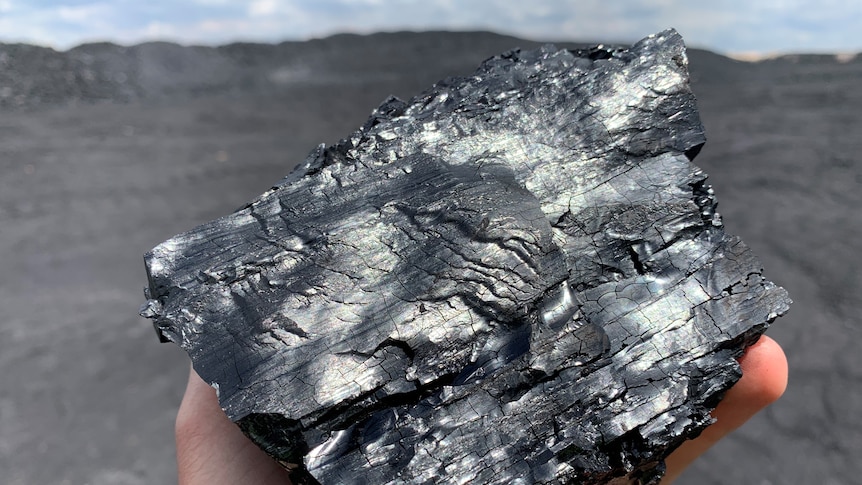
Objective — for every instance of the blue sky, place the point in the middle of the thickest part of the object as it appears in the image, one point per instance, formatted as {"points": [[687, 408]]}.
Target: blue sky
{"points": [[727, 26]]}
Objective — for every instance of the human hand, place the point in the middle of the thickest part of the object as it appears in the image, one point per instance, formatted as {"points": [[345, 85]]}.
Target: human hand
{"points": [[212, 450], [764, 378]]}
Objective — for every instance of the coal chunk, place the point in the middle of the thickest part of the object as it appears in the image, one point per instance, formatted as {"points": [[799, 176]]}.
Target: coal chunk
{"points": [[515, 277]]}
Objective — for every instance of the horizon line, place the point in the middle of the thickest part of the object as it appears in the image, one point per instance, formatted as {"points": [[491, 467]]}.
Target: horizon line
{"points": [[842, 56]]}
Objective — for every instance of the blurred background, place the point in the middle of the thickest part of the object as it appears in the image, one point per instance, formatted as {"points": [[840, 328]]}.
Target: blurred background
{"points": [[123, 123]]}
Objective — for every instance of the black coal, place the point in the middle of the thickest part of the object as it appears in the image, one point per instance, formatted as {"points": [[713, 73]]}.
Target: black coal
{"points": [[515, 277]]}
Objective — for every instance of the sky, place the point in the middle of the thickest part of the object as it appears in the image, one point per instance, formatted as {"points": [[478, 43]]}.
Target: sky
{"points": [[742, 27]]}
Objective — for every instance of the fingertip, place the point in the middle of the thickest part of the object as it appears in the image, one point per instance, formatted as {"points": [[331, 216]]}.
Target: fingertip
{"points": [[764, 380], [764, 373]]}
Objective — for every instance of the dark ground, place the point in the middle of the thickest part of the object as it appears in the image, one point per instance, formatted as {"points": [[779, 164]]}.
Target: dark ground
{"points": [[105, 151]]}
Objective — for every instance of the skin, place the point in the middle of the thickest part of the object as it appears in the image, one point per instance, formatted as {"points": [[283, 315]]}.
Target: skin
{"points": [[764, 379], [212, 450]]}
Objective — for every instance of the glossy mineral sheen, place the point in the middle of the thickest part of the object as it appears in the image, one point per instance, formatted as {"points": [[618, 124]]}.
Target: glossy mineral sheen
{"points": [[515, 277]]}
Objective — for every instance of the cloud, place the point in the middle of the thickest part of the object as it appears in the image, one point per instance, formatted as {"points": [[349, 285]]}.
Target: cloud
{"points": [[83, 14], [260, 8]]}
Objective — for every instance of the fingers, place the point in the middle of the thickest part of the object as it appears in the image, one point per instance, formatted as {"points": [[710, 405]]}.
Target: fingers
{"points": [[212, 450], [764, 379]]}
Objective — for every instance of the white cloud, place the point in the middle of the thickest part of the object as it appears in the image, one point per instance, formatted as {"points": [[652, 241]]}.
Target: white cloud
{"points": [[82, 13], [260, 8], [159, 29]]}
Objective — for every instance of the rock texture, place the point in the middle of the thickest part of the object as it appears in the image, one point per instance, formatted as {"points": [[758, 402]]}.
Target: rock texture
{"points": [[516, 277]]}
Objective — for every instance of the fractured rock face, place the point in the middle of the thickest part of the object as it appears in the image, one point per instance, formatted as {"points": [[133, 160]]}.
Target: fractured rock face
{"points": [[515, 277]]}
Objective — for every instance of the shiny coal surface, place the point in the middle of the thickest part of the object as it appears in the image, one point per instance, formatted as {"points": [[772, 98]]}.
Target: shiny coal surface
{"points": [[517, 276]]}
